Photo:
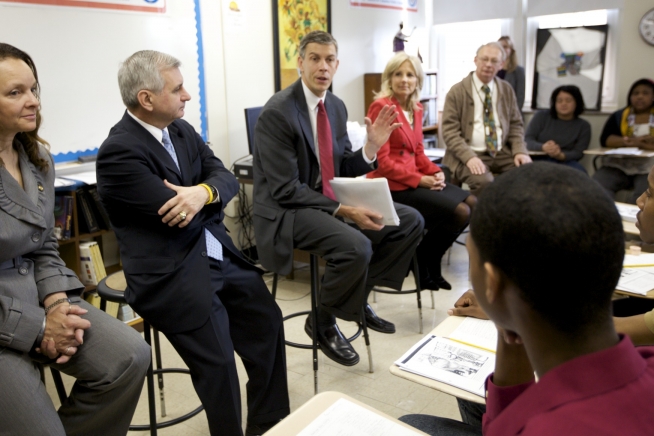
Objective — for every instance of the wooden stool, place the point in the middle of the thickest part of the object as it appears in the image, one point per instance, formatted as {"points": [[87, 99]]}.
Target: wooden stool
{"points": [[112, 288]]}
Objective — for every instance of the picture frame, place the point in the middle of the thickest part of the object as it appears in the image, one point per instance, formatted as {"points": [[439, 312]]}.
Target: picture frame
{"points": [[570, 56], [292, 19]]}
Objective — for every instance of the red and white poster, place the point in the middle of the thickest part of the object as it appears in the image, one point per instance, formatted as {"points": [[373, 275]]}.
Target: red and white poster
{"points": [[402, 5], [157, 6]]}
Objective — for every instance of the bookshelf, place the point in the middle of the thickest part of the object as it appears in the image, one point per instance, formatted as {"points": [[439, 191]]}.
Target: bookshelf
{"points": [[69, 248], [429, 98]]}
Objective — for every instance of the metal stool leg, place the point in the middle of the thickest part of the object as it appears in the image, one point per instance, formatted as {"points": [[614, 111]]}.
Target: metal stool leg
{"points": [[419, 290], [157, 354], [150, 383], [364, 325], [59, 384], [315, 277], [274, 288]]}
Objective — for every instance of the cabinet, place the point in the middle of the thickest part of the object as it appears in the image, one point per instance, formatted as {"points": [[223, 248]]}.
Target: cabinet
{"points": [[429, 97]]}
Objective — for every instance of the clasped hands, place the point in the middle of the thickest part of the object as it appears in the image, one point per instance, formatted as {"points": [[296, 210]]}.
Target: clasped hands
{"points": [[434, 183], [552, 149], [187, 199], [64, 330], [645, 142]]}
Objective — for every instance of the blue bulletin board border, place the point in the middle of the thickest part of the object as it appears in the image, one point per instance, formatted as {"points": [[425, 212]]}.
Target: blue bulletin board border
{"points": [[75, 155]]}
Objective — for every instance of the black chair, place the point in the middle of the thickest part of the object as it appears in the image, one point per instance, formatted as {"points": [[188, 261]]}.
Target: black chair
{"points": [[112, 288], [417, 291], [314, 346], [58, 382], [251, 117]]}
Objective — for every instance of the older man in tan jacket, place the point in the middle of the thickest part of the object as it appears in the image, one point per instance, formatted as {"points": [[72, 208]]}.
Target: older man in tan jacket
{"points": [[482, 126]]}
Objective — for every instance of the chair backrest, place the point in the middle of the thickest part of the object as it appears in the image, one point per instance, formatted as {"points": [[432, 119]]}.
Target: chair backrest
{"points": [[251, 117]]}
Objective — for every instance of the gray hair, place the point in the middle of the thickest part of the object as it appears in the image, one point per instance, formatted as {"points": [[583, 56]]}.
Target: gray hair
{"points": [[142, 70], [391, 67], [319, 37], [494, 44]]}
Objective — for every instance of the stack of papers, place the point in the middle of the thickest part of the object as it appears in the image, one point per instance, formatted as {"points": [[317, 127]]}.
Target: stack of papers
{"points": [[372, 194], [625, 151], [464, 360], [636, 280], [627, 212]]}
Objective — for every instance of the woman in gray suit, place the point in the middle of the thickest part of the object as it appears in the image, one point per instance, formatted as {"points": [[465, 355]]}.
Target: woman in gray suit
{"points": [[42, 317]]}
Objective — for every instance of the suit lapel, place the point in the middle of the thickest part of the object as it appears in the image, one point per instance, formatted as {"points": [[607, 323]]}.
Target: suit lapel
{"points": [[154, 146], [303, 114], [21, 203], [179, 142]]}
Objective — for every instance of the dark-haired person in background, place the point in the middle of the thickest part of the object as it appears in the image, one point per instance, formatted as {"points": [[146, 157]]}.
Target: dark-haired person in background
{"points": [[559, 131], [632, 126], [42, 317], [512, 72], [539, 232]]}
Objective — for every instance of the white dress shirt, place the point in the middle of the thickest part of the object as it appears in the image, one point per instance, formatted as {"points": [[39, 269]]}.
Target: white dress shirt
{"points": [[478, 141]]}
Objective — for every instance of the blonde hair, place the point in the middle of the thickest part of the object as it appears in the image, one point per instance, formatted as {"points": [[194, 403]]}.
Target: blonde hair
{"points": [[512, 62], [391, 67]]}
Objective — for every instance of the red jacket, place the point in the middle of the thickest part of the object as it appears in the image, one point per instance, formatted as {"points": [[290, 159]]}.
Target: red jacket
{"points": [[402, 159]]}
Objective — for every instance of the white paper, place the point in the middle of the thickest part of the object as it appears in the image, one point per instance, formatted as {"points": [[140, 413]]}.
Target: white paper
{"points": [[450, 362], [345, 418], [626, 151], [481, 333], [627, 212], [644, 259], [636, 280], [434, 152], [87, 177], [59, 182], [372, 194]]}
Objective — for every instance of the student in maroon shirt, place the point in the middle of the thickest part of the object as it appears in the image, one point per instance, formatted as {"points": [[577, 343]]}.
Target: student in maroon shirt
{"points": [[546, 248]]}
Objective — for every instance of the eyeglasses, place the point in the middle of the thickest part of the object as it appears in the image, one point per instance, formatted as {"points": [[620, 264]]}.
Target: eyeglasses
{"points": [[493, 61]]}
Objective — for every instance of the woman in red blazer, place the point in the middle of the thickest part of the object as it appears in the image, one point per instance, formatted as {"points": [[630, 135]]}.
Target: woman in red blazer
{"points": [[413, 179]]}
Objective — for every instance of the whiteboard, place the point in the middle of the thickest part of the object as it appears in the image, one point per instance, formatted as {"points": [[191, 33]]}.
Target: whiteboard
{"points": [[77, 52]]}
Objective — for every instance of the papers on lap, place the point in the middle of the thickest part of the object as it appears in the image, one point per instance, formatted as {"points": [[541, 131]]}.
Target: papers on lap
{"points": [[627, 212], [372, 194], [345, 418], [449, 361], [480, 333], [625, 151]]}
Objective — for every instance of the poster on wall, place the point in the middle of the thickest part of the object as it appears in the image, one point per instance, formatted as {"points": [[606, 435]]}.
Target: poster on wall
{"points": [[570, 56], [292, 19], [403, 5], [121, 5]]}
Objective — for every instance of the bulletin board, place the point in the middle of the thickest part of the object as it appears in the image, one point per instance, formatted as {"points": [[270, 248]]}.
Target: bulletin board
{"points": [[78, 50]]}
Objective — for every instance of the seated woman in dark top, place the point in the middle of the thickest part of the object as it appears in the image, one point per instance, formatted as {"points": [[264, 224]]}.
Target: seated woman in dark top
{"points": [[632, 126], [559, 132]]}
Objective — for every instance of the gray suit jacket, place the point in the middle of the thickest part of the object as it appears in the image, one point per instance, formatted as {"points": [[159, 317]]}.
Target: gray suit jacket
{"points": [[30, 266], [286, 170]]}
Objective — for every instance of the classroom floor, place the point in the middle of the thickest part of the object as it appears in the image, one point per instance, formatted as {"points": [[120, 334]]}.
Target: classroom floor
{"points": [[390, 394]]}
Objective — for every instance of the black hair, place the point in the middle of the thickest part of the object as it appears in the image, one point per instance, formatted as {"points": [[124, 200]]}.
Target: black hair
{"points": [[574, 92], [646, 82], [558, 237]]}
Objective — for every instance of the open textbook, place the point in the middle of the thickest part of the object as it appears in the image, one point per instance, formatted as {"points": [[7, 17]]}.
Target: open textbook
{"points": [[372, 194], [464, 359]]}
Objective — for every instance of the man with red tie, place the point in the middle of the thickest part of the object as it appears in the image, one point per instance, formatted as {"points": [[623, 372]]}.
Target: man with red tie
{"points": [[301, 143]]}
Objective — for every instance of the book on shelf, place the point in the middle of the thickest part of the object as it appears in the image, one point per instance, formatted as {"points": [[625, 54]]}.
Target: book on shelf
{"points": [[94, 299], [86, 219], [98, 209], [93, 269], [63, 212], [464, 359]]}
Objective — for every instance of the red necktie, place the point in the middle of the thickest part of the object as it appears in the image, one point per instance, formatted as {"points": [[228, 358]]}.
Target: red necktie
{"points": [[326, 151]]}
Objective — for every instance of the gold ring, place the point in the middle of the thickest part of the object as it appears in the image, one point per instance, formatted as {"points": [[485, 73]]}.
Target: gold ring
{"points": [[182, 215]]}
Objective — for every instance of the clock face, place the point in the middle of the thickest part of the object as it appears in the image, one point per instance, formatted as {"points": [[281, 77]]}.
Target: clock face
{"points": [[646, 27]]}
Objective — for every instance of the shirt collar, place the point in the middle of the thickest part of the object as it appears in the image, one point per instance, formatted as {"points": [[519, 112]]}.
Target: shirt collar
{"points": [[155, 131], [311, 98], [478, 83]]}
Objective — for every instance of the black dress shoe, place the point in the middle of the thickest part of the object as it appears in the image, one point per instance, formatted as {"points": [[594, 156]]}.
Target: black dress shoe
{"points": [[259, 429], [443, 284], [333, 344], [376, 323], [428, 283]]}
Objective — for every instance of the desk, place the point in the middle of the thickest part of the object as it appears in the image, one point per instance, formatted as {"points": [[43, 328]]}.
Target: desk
{"points": [[297, 421], [443, 329], [599, 152]]}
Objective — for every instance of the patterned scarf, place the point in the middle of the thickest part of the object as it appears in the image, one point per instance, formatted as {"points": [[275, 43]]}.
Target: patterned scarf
{"points": [[629, 121]]}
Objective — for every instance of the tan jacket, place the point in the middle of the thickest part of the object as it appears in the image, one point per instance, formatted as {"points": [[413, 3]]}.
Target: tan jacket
{"points": [[458, 118]]}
